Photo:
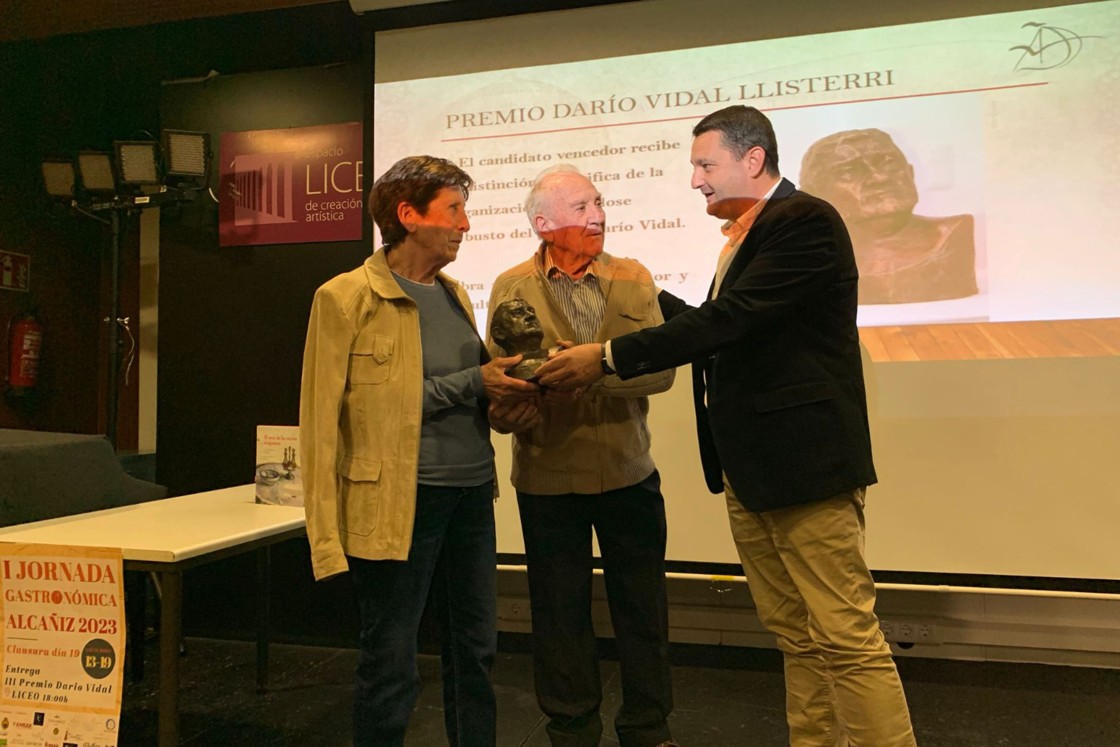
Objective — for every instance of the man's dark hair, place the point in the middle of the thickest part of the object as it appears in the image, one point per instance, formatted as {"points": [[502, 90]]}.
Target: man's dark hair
{"points": [[742, 128], [414, 180]]}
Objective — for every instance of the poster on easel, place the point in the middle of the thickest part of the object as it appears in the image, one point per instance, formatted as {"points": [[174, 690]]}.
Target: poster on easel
{"points": [[62, 643]]}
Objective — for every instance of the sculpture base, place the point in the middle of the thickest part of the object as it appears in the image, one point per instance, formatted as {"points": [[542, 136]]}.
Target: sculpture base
{"points": [[527, 368]]}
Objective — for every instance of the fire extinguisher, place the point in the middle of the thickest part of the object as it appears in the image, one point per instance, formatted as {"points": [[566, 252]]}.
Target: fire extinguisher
{"points": [[25, 343]]}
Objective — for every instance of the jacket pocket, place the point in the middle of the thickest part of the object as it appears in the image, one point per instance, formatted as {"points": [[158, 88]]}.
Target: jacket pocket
{"points": [[635, 312], [359, 493], [371, 359], [796, 394]]}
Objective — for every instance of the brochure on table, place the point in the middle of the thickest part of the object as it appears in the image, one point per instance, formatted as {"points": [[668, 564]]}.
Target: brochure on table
{"points": [[278, 476]]}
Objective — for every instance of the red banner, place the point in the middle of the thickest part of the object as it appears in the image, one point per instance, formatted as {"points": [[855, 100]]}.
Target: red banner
{"points": [[293, 186]]}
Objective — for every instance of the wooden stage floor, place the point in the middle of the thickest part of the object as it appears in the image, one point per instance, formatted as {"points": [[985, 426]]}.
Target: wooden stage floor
{"points": [[993, 340]]}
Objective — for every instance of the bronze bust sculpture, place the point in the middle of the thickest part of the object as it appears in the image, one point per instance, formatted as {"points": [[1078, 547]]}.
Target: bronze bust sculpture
{"points": [[515, 327]]}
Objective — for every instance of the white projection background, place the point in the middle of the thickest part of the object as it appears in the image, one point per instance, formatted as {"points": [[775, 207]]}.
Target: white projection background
{"points": [[996, 410]]}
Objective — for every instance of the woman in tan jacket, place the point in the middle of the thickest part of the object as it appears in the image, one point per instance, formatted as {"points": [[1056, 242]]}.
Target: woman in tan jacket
{"points": [[398, 467]]}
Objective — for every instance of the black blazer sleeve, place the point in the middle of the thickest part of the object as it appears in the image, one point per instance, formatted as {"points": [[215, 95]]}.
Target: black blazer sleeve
{"points": [[672, 306], [783, 261]]}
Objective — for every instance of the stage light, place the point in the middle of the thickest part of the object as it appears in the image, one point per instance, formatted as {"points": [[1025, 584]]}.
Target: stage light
{"points": [[106, 191], [137, 161], [96, 170], [58, 177], [188, 153], [172, 173]]}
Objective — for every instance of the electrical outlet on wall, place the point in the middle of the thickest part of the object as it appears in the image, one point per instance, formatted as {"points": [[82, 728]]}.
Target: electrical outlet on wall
{"points": [[909, 629]]}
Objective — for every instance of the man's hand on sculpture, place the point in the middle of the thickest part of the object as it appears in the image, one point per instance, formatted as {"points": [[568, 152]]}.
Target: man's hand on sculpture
{"points": [[554, 396], [503, 388], [514, 417], [573, 368]]}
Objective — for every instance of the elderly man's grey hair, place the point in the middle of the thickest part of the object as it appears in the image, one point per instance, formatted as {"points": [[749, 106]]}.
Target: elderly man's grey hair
{"points": [[538, 192]]}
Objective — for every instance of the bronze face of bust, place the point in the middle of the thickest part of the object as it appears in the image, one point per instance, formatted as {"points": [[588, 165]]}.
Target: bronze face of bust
{"points": [[902, 257], [515, 327]]}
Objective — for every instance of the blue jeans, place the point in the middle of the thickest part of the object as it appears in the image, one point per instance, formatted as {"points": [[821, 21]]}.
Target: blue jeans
{"points": [[453, 555]]}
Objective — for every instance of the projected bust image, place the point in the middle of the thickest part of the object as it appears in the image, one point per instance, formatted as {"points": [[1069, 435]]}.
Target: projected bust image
{"points": [[902, 257]]}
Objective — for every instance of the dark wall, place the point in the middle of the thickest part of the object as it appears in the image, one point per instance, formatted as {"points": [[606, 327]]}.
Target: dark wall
{"points": [[232, 326], [66, 270], [232, 320], [68, 93], [232, 323]]}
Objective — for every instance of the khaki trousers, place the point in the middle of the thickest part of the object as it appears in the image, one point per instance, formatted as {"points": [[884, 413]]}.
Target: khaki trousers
{"points": [[812, 589]]}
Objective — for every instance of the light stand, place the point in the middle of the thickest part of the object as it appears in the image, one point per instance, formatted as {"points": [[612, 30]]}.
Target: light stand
{"points": [[112, 396], [105, 184]]}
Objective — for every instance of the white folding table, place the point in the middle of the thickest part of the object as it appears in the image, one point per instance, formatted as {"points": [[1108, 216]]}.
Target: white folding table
{"points": [[167, 537]]}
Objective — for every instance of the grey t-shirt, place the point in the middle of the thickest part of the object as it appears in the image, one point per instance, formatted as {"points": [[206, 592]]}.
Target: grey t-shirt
{"points": [[455, 445]]}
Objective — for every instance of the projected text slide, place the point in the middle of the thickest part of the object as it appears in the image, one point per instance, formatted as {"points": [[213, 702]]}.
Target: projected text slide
{"points": [[972, 160]]}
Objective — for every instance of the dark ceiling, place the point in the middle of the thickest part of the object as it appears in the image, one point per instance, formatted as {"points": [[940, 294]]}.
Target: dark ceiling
{"points": [[38, 19]]}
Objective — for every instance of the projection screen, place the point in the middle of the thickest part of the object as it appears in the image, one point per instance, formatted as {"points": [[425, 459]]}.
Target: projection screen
{"points": [[990, 313]]}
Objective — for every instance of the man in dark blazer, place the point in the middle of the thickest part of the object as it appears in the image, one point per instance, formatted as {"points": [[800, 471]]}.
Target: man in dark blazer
{"points": [[782, 423]]}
